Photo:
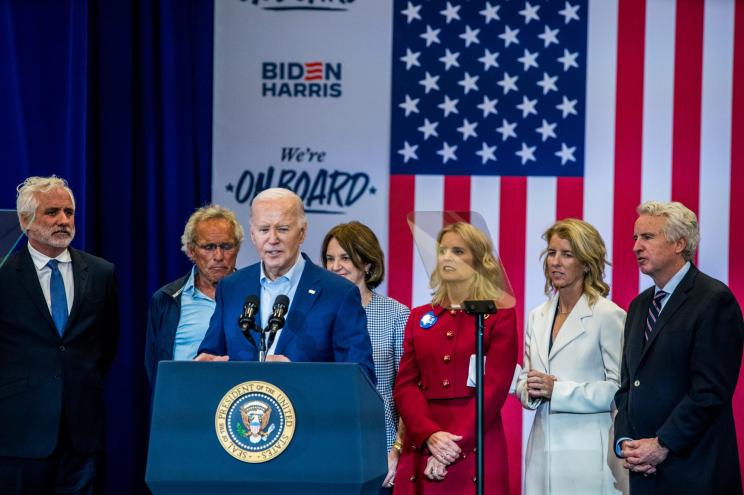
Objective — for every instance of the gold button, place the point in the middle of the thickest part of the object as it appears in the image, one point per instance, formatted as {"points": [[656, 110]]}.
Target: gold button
{"points": [[450, 334], [446, 358], [445, 383], [413, 477], [637, 383]]}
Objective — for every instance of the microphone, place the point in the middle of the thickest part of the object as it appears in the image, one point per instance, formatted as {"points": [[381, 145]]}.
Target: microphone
{"points": [[247, 320], [276, 320]]}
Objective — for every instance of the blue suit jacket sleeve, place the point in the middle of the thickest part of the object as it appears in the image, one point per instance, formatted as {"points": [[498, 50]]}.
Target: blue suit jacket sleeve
{"points": [[214, 340], [351, 341]]}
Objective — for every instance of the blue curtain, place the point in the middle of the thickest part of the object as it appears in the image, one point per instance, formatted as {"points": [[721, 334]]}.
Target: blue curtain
{"points": [[116, 97]]}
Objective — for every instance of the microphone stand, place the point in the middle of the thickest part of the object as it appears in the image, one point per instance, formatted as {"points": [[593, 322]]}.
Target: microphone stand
{"points": [[479, 309], [262, 351]]}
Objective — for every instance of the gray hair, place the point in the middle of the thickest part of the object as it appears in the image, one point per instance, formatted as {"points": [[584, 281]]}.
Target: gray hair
{"points": [[27, 202], [280, 193], [209, 212], [681, 223]]}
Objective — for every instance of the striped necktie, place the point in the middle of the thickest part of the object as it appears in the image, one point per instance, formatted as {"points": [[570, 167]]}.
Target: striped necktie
{"points": [[58, 296], [653, 312]]}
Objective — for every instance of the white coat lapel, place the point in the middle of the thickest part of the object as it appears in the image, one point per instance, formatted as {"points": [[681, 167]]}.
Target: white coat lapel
{"points": [[573, 327], [542, 332]]}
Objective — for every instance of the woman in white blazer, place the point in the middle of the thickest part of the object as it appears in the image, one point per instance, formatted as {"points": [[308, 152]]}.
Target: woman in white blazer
{"points": [[572, 369]]}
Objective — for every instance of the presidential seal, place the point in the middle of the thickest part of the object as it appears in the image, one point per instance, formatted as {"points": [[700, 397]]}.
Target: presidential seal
{"points": [[255, 422]]}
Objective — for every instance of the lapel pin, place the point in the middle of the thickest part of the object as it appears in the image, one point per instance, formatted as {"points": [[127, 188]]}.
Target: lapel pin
{"points": [[311, 291]]}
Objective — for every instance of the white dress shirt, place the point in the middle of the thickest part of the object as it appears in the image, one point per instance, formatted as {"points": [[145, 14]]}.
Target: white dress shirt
{"points": [[45, 275]]}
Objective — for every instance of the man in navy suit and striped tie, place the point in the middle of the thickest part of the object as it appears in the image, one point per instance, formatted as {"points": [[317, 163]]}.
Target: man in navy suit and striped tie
{"points": [[682, 352], [59, 325]]}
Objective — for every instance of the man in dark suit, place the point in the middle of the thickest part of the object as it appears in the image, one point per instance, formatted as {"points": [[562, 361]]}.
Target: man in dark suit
{"points": [[325, 321], [59, 325], [682, 352]]}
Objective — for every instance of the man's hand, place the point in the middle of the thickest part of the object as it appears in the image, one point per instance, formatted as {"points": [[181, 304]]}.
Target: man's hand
{"points": [[435, 470], [643, 455], [210, 357], [443, 446], [277, 358]]}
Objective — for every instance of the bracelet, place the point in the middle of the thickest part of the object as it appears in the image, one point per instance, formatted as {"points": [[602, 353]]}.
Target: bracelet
{"points": [[397, 445]]}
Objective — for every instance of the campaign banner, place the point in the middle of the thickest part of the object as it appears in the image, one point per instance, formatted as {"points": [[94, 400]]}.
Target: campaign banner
{"points": [[302, 101]]}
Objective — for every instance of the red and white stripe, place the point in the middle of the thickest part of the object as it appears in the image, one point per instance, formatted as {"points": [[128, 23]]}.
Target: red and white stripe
{"points": [[664, 121]]}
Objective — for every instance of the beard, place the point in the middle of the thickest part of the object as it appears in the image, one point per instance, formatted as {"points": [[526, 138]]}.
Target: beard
{"points": [[58, 237]]}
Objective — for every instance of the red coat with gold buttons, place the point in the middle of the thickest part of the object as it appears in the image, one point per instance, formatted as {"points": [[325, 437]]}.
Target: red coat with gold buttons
{"points": [[431, 395]]}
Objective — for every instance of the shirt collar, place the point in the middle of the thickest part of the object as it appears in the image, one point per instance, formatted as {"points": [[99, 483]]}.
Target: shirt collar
{"points": [[189, 285], [292, 274], [40, 259], [675, 280]]}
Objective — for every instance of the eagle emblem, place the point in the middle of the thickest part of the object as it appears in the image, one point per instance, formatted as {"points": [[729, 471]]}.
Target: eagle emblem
{"points": [[256, 415]]}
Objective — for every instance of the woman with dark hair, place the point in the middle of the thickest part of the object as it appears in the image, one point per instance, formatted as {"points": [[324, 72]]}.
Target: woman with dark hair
{"points": [[353, 251], [432, 393], [571, 369]]}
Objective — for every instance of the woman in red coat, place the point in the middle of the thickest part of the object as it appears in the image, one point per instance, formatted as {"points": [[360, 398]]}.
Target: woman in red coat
{"points": [[431, 390]]}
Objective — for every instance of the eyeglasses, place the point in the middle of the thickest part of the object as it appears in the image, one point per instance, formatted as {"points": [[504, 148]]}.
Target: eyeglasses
{"points": [[212, 247]]}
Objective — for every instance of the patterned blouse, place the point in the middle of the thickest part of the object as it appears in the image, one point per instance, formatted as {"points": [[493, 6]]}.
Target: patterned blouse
{"points": [[386, 322]]}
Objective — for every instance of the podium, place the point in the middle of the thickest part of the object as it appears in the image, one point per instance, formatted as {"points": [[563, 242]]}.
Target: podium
{"points": [[248, 427]]}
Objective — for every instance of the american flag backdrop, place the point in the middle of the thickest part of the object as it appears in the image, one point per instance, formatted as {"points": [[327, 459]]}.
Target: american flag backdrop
{"points": [[528, 112]]}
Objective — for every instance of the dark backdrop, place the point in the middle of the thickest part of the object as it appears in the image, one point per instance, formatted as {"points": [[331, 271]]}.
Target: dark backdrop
{"points": [[115, 96]]}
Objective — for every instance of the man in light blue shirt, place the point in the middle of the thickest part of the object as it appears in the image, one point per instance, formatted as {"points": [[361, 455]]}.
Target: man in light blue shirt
{"points": [[180, 311], [681, 358], [325, 321]]}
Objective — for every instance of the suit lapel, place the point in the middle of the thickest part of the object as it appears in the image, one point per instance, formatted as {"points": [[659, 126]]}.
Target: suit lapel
{"points": [[29, 280], [305, 296], [573, 327], [80, 281], [543, 327], [677, 299], [636, 345]]}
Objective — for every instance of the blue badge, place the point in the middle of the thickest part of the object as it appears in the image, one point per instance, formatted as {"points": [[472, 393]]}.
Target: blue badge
{"points": [[428, 320]]}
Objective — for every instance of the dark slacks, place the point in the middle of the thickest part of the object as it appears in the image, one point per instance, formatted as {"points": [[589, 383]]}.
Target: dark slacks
{"points": [[65, 472]]}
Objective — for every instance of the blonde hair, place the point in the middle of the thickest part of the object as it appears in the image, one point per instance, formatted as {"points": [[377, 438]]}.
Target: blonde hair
{"points": [[210, 212], [488, 279], [588, 247], [681, 223]]}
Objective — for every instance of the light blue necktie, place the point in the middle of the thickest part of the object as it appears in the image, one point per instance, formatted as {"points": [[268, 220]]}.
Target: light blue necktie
{"points": [[58, 296]]}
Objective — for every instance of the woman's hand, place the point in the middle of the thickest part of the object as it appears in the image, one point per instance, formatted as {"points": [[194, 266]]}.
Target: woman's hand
{"points": [[540, 385], [392, 459], [435, 470], [443, 446]]}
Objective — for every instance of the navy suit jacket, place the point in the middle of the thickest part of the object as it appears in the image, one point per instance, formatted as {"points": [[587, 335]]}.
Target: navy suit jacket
{"points": [[48, 382], [326, 321], [678, 386]]}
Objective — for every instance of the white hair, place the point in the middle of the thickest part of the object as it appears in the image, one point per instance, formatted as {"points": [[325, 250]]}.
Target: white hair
{"points": [[681, 223], [280, 193], [27, 201]]}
